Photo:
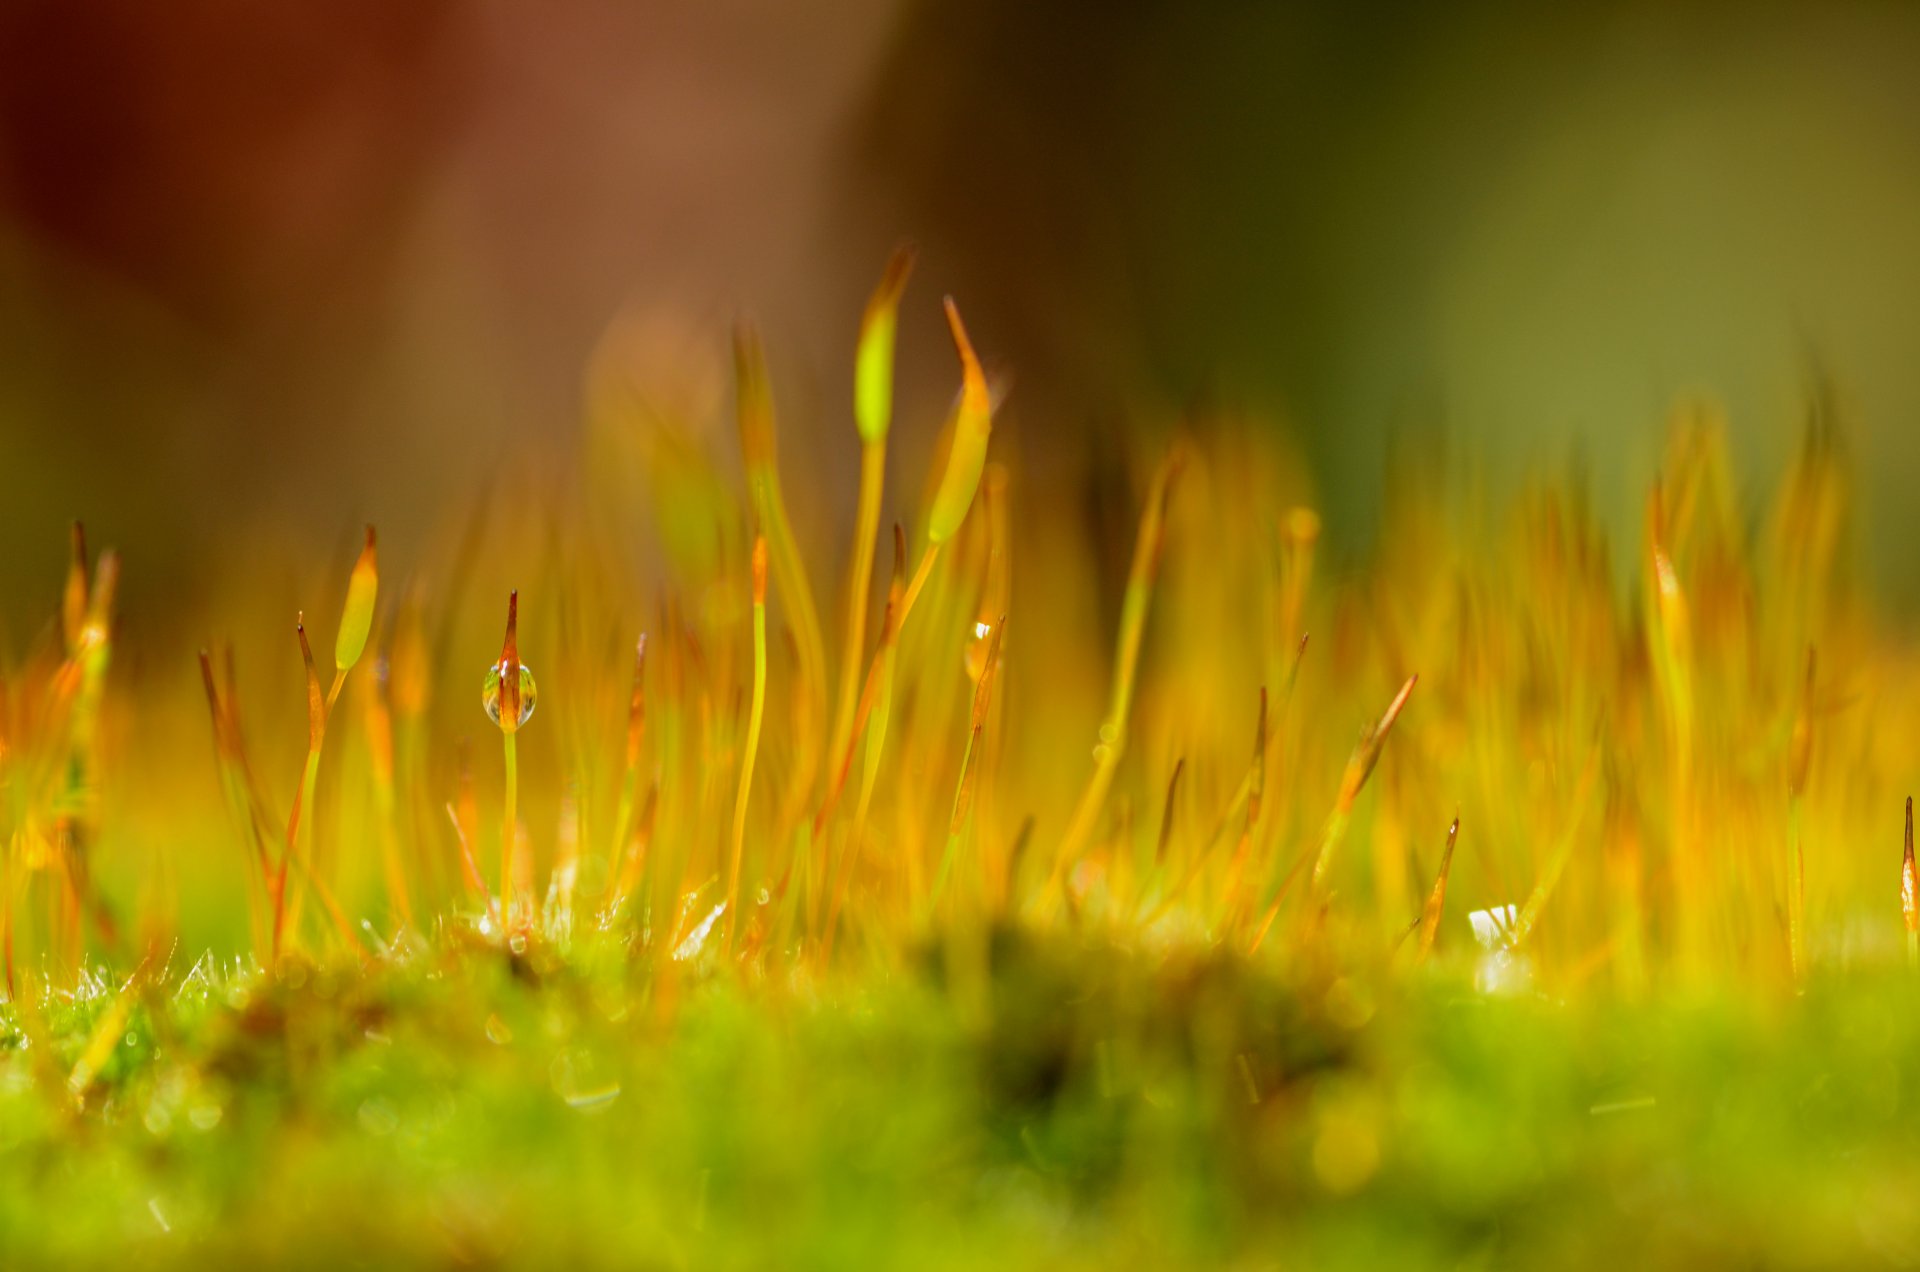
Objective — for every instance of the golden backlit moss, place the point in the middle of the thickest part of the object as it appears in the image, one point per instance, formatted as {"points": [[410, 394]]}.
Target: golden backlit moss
{"points": [[1686, 770]]}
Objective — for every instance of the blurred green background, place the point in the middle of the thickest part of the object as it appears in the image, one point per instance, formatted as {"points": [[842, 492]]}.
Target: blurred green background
{"points": [[280, 269]]}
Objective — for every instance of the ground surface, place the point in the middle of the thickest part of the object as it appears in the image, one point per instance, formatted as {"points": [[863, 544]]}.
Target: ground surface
{"points": [[1083, 1107]]}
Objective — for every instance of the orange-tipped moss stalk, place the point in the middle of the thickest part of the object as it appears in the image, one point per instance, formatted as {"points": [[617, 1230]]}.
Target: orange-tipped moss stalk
{"points": [[1910, 894], [356, 621], [1429, 928], [232, 786], [759, 451], [77, 687], [1255, 777], [90, 650], [287, 907], [873, 417], [258, 824], [507, 695], [87, 663], [1145, 571], [963, 795], [870, 725], [755, 715], [1352, 781]]}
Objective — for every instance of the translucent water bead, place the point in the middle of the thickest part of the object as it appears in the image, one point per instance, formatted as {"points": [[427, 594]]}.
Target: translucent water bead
{"points": [[490, 694]]}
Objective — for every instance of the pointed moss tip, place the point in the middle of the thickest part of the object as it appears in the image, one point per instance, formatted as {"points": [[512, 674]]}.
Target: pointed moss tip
{"points": [[899, 267], [959, 330]]}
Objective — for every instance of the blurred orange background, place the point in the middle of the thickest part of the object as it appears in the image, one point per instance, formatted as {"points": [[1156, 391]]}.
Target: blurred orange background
{"points": [[276, 270]]}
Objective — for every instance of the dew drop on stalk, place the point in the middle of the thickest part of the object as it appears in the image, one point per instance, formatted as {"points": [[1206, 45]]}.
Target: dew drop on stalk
{"points": [[979, 640], [490, 693]]}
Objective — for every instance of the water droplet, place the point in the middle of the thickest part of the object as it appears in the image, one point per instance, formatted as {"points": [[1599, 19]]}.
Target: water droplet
{"points": [[977, 645], [490, 694], [690, 947], [1492, 926]]}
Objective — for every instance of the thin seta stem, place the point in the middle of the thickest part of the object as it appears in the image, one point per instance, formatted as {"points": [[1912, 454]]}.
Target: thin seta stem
{"points": [[760, 455], [1141, 578], [1359, 767], [963, 795], [756, 714], [871, 723], [873, 417], [972, 427], [1429, 926], [286, 911], [509, 700], [356, 622]]}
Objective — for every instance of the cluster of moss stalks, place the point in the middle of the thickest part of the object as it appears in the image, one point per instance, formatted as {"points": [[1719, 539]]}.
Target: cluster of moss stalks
{"points": [[1472, 906]]}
